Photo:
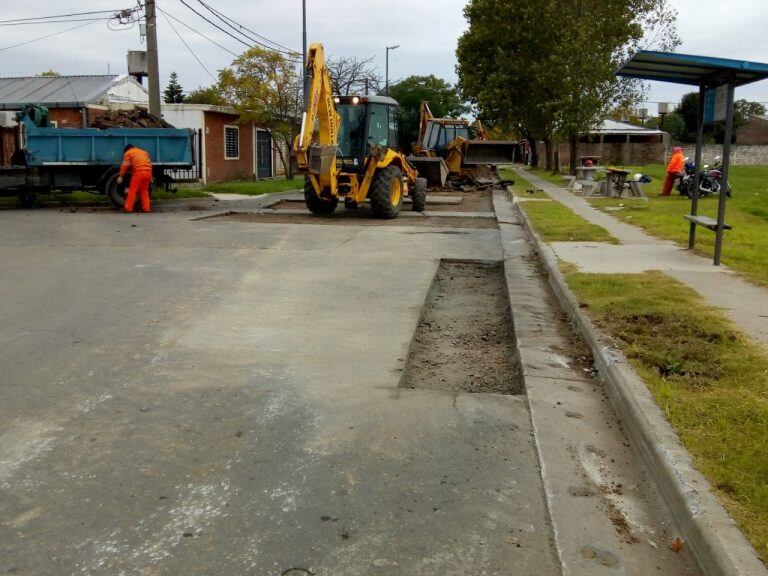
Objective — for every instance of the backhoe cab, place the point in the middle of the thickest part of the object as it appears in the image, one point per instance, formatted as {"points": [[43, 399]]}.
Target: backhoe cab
{"points": [[347, 149], [446, 148]]}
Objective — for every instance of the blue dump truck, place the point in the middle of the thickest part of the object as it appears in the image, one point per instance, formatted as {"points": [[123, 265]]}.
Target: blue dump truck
{"points": [[69, 159]]}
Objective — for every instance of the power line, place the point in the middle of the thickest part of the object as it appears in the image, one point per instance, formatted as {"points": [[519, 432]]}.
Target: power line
{"points": [[216, 25], [227, 32], [59, 16], [187, 45], [239, 27], [212, 41], [46, 36], [55, 21]]}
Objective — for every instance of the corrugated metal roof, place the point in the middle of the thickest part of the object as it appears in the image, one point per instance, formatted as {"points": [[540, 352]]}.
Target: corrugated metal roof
{"points": [[690, 69], [613, 127], [52, 91]]}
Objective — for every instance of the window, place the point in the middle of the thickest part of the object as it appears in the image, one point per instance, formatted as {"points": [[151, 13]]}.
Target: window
{"points": [[231, 142], [393, 128], [54, 123], [378, 125]]}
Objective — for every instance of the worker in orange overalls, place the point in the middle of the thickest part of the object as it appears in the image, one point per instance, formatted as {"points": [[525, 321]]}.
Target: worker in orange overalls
{"points": [[675, 169], [137, 161]]}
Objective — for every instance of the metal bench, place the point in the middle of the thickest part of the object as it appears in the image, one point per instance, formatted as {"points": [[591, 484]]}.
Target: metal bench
{"points": [[706, 222]]}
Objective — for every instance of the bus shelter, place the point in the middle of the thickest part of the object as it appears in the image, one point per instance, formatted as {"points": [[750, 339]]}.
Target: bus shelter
{"points": [[717, 79]]}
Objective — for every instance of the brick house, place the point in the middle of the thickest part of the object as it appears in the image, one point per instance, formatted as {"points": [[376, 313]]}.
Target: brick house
{"points": [[230, 150], [619, 143]]}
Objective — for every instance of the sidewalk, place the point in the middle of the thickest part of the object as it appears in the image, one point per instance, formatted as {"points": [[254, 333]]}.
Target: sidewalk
{"points": [[745, 303]]}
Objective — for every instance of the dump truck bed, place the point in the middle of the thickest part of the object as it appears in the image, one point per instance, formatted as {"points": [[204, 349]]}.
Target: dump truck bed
{"points": [[91, 146]]}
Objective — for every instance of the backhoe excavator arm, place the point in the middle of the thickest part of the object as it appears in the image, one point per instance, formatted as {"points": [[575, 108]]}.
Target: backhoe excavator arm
{"points": [[321, 112], [425, 114]]}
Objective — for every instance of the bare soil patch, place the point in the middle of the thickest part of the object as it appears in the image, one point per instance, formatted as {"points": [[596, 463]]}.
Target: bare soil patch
{"points": [[359, 217], [465, 339]]}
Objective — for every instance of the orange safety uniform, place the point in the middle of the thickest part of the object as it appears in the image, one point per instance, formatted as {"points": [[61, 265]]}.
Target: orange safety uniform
{"points": [[674, 168], [137, 161]]}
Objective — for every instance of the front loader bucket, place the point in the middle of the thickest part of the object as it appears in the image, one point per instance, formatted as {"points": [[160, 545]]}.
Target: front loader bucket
{"points": [[435, 170], [489, 152]]}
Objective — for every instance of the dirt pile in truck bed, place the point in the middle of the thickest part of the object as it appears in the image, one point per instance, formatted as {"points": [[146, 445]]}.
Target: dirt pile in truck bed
{"points": [[129, 119]]}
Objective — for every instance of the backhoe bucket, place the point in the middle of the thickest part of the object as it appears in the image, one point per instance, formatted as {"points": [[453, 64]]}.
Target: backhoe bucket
{"points": [[321, 158], [489, 152], [435, 170]]}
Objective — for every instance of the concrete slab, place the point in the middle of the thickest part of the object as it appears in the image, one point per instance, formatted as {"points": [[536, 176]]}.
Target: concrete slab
{"points": [[188, 397], [602, 258]]}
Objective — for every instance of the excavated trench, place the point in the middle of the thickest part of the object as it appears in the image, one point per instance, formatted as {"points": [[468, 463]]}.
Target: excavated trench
{"points": [[465, 340]]}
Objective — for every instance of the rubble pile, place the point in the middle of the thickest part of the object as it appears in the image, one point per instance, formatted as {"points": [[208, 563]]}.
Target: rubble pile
{"points": [[129, 119]]}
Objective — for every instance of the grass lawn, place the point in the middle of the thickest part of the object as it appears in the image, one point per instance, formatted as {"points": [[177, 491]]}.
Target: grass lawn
{"points": [[256, 187], [91, 199], [709, 379], [553, 221], [744, 247]]}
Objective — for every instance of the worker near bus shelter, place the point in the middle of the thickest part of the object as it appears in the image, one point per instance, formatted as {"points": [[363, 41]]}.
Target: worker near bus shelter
{"points": [[675, 168], [137, 162]]}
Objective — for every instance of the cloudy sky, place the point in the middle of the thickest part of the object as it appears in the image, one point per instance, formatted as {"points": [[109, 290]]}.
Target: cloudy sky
{"points": [[425, 30]]}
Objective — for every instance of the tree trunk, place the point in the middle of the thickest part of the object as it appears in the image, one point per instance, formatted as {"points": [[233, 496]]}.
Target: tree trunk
{"points": [[556, 168], [285, 159], [534, 153], [548, 152], [573, 144]]}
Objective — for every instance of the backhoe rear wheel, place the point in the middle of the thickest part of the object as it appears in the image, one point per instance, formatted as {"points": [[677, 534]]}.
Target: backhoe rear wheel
{"points": [[317, 205], [387, 192], [419, 195]]}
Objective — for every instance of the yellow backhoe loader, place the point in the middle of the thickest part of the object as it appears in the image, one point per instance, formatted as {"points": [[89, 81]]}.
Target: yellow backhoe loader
{"points": [[346, 149], [445, 149]]}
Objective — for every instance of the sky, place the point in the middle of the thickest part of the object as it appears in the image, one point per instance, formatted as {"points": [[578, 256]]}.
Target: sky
{"points": [[426, 32]]}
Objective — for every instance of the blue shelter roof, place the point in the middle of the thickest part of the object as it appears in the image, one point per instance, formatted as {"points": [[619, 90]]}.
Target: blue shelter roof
{"points": [[690, 69]]}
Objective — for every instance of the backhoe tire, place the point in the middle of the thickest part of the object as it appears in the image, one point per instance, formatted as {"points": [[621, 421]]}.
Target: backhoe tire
{"points": [[387, 192], [317, 205], [419, 195]]}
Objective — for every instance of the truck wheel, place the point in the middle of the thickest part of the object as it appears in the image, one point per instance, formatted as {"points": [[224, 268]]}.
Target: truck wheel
{"points": [[315, 204], [387, 192], [419, 195], [117, 193]]}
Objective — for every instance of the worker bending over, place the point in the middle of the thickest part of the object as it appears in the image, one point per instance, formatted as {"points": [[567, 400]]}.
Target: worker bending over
{"points": [[138, 163], [675, 169]]}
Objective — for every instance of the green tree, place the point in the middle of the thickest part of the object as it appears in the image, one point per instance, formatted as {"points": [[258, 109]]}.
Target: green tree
{"points": [[266, 88], [675, 126], [206, 95], [173, 93], [547, 66], [50, 72], [444, 101], [715, 131]]}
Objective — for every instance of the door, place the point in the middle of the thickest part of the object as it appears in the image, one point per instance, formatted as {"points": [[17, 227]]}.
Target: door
{"points": [[263, 154]]}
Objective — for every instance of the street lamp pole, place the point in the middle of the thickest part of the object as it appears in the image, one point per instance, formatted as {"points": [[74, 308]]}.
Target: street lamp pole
{"points": [[386, 73]]}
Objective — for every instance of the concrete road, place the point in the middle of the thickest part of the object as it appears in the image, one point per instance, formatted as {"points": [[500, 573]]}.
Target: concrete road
{"points": [[201, 397]]}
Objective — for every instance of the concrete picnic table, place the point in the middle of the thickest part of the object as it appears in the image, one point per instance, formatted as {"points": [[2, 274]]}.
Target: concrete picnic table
{"points": [[618, 177]]}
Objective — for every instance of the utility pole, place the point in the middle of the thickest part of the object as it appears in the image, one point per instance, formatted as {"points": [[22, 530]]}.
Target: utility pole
{"points": [[304, 60], [386, 73], [153, 69]]}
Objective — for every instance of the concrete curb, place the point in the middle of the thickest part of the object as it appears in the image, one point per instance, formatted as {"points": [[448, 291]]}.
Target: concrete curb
{"points": [[715, 541]]}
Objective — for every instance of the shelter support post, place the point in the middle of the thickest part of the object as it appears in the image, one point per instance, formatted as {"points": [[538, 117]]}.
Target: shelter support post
{"points": [[697, 163], [725, 170]]}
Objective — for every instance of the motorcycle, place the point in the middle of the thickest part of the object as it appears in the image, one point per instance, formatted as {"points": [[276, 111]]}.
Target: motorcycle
{"points": [[685, 180], [709, 180]]}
